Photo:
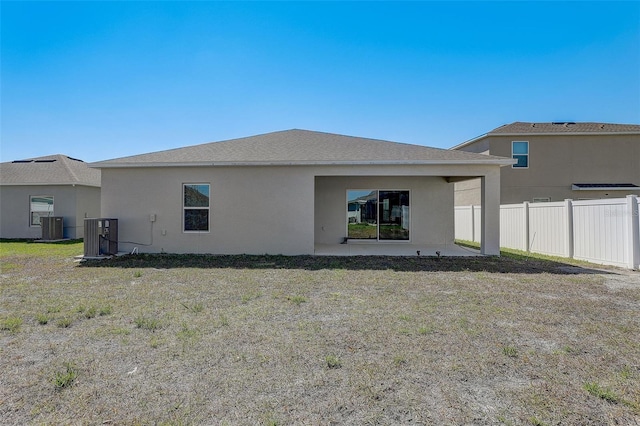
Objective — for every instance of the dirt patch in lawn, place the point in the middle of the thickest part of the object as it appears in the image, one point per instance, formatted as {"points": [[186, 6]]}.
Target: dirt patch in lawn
{"points": [[162, 339]]}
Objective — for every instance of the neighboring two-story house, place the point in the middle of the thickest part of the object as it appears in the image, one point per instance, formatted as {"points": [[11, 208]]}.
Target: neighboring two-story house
{"points": [[557, 161]]}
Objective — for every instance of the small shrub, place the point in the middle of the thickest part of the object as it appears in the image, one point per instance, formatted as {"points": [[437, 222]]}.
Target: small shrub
{"points": [[298, 300], [603, 393], [399, 360], [187, 333], [510, 351], [11, 324], [333, 361], [63, 379], [64, 322], [626, 372], [536, 422], [425, 330], [91, 312], [53, 309], [42, 319], [155, 342], [105, 310], [137, 274], [196, 308], [224, 320], [246, 298], [146, 323]]}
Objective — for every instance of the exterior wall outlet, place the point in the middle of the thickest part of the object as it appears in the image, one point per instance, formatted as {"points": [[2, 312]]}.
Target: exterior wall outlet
{"points": [[152, 217]]}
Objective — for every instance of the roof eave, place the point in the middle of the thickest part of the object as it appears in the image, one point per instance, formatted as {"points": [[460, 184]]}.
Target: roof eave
{"points": [[469, 142], [488, 161], [564, 134], [49, 184]]}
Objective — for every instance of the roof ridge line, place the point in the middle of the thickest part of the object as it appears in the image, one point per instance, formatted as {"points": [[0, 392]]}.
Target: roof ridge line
{"points": [[68, 167]]}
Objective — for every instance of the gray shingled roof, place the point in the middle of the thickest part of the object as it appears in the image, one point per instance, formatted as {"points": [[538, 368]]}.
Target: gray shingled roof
{"points": [[299, 147], [520, 127], [49, 170]]}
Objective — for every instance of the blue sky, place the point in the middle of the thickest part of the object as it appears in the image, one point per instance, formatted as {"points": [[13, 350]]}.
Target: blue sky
{"points": [[100, 80]]}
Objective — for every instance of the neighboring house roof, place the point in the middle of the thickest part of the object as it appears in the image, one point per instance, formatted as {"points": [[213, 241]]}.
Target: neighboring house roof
{"points": [[49, 170], [521, 128], [301, 147]]}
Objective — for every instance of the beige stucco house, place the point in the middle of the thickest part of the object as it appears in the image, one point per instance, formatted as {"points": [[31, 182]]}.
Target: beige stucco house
{"points": [[558, 161], [54, 185], [290, 193]]}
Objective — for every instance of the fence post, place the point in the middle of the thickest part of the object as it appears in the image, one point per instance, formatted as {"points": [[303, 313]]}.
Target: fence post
{"points": [[525, 212], [473, 223], [568, 236], [633, 233]]}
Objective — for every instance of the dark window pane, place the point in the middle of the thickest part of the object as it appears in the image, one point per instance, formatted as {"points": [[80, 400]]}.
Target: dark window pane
{"points": [[523, 160], [196, 220], [196, 195], [393, 215]]}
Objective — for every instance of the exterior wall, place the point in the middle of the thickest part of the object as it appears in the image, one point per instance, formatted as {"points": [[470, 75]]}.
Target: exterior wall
{"points": [[87, 205], [431, 206], [253, 210], [272, 209], [558, 161], [68, 202], [467, 193]]}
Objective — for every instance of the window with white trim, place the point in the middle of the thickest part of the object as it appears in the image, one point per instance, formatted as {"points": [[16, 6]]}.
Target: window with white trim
{"points": [[39, 206], [520, 152], [195, 206]]}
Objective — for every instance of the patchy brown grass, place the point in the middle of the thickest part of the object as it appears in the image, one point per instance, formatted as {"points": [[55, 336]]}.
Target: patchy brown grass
{"points": [[303, 340]]}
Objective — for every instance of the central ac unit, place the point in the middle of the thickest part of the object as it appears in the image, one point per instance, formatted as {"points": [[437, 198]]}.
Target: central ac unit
{"points": [[100, 237], [52, 228]]}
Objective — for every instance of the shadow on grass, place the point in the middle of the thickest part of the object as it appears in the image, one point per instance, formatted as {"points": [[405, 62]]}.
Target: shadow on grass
{"points": [[355, 263]]}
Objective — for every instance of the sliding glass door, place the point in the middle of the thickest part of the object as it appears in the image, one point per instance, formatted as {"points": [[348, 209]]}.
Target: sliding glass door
{"points": [[381, 215]]}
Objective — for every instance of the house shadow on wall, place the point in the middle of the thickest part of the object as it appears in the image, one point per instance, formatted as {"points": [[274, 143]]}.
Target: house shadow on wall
{"points": [[489, 264]]}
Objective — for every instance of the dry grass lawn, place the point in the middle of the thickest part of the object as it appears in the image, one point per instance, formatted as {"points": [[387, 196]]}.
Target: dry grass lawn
{"points": [[249, 340]]}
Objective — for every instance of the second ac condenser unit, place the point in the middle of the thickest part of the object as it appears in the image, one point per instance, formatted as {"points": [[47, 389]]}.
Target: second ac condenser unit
{"points": [[100, 237], [52, 227]]}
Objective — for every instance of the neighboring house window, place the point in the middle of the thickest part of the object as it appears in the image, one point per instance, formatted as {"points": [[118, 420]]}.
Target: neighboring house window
{"points": [[40, 206], [541, 199], [520, 152], [195, 204]]}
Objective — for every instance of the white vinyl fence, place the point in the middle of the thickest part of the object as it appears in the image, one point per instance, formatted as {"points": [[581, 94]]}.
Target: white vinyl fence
{"points": [[599, 231]]}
